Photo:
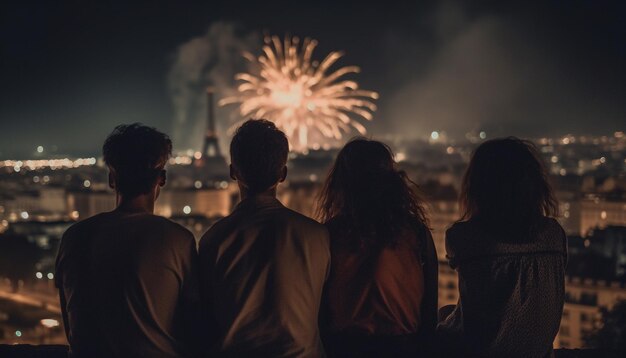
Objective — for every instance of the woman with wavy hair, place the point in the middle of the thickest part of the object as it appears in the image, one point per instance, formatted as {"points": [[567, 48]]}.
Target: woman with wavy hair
{"points": [[381, 294], [509, 253]]}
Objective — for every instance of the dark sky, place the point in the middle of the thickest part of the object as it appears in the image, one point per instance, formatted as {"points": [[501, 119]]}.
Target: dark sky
{"points": [[71, 70]]}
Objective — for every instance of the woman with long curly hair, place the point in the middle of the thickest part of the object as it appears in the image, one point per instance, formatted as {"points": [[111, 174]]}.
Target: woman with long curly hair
{"points": [[510, 255], [381, 294]]}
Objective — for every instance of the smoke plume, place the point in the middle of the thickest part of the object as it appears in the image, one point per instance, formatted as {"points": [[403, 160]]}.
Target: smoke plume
{"points": [[211, 59]]}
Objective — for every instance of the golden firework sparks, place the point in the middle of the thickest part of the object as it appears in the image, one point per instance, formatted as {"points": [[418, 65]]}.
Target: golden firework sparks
{"points": [[298, 94]]}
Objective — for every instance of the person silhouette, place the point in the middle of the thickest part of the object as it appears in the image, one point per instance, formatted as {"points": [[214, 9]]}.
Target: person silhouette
{"points": [[381, 296], [128, 280], [510, 255], [263, 267]]}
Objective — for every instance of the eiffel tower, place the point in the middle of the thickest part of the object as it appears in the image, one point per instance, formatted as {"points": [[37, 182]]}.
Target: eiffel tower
{"points": [[211, 148]]}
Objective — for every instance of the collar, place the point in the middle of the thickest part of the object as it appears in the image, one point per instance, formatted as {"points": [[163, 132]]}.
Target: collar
{"points": [[259, 202]]}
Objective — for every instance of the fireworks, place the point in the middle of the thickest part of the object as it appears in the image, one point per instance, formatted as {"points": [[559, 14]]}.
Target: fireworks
{"points": [[299, 95]]}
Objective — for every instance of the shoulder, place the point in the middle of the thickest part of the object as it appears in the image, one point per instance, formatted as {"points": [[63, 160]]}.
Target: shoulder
{"points": [[170, 230], [169, 234], [552, 226], [82, 228], [169, 225], [302, 223], [551, 233], [218, 233]]}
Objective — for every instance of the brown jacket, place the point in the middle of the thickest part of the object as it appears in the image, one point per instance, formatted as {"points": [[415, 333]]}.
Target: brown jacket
{"points": [[264, 267]]}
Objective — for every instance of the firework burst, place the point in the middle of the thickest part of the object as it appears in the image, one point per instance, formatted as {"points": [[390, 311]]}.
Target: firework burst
{"points": [[299, 95]]}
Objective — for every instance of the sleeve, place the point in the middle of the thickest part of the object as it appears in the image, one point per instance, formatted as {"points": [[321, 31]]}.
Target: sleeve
{"points": [[207, 257], [190, 296], [323, 320], [58, 282], [60, 261], [431, 285]]}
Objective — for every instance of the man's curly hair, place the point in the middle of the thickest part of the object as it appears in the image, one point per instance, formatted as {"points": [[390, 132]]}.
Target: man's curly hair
{"points": [[259, 152], [137, 154]]}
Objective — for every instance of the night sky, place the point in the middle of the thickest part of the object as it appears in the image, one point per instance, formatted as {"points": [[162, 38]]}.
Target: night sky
{"points": [[72, 70]]}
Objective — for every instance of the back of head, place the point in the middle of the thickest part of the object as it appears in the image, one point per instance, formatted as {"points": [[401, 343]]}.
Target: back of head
{"points": [[259, 153], [373, 199], [506, 187], [136, 155]]}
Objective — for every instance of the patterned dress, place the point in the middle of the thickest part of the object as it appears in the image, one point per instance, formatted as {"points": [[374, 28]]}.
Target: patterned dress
{"points": [[511, 292]]}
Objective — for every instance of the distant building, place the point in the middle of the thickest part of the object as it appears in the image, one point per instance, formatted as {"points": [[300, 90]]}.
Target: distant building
{"points": [[46, 202], [206, 202], [448, 285], [581, 314], [606, 251], [442, 214], [597, 212], [86, 203], [570, 211]]}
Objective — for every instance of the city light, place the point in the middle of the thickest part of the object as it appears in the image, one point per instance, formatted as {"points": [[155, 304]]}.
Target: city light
{"points": [[18, 333], [197, 184], [434, 135], [187, 209], [40, 149], [50, 322], [24, 215], [50, 276], [39, 275], [86, 183], [18, 165]]}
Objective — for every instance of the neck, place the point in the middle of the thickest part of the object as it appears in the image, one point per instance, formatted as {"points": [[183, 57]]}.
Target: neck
{"points": [[139, 204], [246, 193]]}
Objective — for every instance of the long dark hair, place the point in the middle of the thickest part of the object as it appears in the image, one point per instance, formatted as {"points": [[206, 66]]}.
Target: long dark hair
{"points": [[506, 187], [371, 198]]}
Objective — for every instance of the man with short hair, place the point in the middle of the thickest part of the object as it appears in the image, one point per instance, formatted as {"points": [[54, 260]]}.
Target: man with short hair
{"points": [[127, 279], [264, 266]]}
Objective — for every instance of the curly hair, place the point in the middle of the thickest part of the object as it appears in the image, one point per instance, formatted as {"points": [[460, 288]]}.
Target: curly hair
{"points": [[371, 197], [136, 154], [506, 186], [259, 152]]}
